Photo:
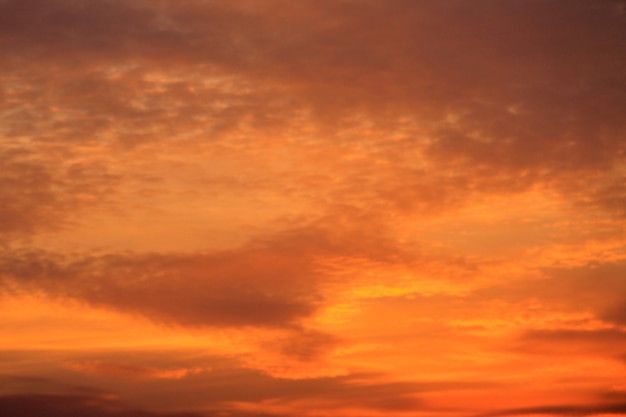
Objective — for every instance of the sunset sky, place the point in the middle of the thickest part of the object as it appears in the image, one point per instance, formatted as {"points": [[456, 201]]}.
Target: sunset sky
{"points": [[312, 208]]}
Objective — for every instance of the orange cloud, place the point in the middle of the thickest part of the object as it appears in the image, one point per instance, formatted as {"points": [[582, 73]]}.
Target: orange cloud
{"points": [[119, 370], [350, 207]]}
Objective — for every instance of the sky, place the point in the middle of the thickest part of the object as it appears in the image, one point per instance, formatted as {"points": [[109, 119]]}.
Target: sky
{"points": [[312, 208]]}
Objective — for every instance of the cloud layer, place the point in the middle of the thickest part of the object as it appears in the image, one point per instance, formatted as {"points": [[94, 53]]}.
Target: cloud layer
{"points": [[358, 207]]}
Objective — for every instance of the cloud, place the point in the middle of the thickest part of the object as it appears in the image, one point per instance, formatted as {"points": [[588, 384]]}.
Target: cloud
{"points": [[524, 86], [304, 345], [39, 193], [563, 410], [362, 391], [251, 287], [133, 371], [593, 289], [106, 80], [616, 314], [438, 103], [567, 336], [47, 405], [607, 343], [31, 405], [278, 280], [107, 378], [332, 141]]}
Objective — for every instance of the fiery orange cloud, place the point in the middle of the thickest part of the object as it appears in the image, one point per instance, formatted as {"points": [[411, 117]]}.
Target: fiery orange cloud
{"points": [[312, 208]]}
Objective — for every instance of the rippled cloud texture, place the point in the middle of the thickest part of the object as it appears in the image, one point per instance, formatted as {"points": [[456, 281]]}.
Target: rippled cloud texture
{"points": [[288, 208]]}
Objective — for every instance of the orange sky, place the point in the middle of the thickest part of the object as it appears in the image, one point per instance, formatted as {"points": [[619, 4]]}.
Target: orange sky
{"points": [[281, 208]]}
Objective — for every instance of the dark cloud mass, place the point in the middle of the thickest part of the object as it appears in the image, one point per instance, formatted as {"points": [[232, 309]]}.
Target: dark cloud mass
{"points": [[275, 281], [34, 405], [248, 288], [508, 93], [504, 69], [215, 390], [377, 397]]}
